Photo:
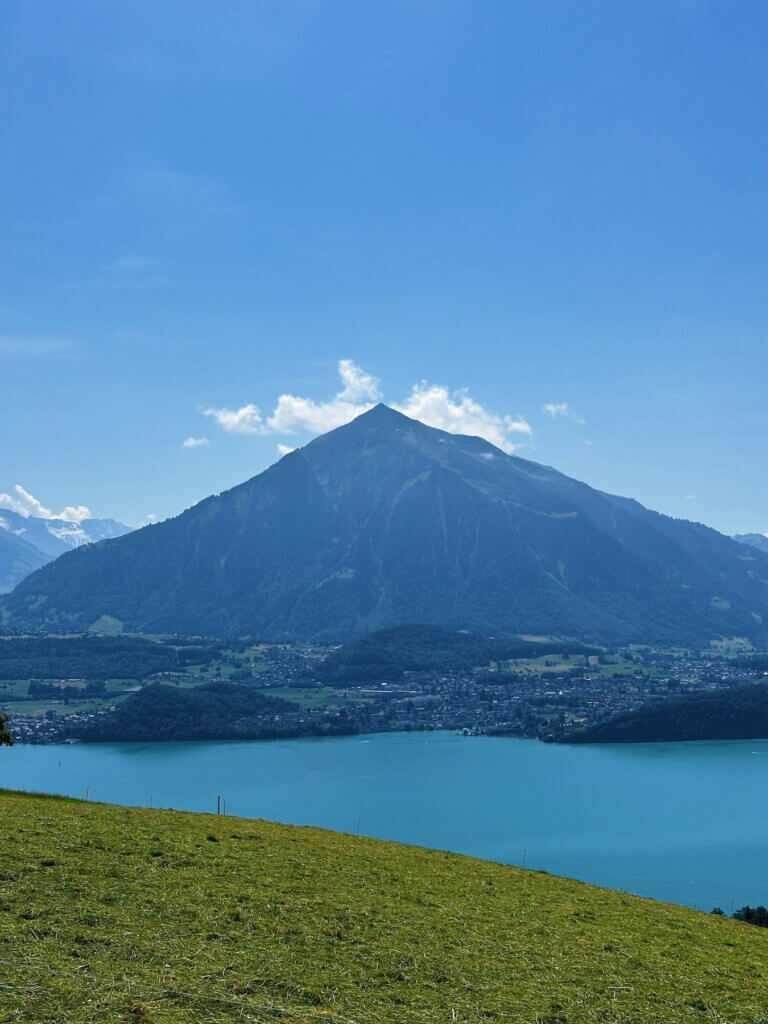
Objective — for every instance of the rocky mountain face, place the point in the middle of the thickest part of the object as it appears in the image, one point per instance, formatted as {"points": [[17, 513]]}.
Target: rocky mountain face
{"points": [[387, 521]]}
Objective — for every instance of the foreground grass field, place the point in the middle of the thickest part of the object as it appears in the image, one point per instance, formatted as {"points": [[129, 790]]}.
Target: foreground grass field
{"points": [[110, 914]]}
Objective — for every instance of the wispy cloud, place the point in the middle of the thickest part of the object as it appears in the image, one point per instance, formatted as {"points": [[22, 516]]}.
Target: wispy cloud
{"points": [[177, 191], [434, 404], [195, 442], [18, 345], [177, 201], [555, 409], [561, 410], [129, 265], [26, 504], [284, 449], [245, 420], [131, 272]]}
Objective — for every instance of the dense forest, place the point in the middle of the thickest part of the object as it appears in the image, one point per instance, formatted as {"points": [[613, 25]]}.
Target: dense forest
{"points": [[740, 712], [96, 657], [47, 691], [390, 653], [211, 711]]}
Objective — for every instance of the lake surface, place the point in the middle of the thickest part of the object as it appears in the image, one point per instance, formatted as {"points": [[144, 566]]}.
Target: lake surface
{"points": [[683, 822]]}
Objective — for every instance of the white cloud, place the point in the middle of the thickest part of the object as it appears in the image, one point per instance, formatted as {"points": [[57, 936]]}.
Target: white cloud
{"points": [[74, 513], [561, 409], [294, 413], [358, 385], [359, 393], [284, 449], [245, 420], [691, 497], [454, 411], [555, 409], [8, 501], [195, 442], [26, 504], [459, 413]]}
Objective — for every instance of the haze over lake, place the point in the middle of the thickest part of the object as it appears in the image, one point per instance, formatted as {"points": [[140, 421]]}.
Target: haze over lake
{"points": [[680, 822]]}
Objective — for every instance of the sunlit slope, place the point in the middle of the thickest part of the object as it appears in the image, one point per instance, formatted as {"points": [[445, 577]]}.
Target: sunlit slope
{"points": [[110, 914]]}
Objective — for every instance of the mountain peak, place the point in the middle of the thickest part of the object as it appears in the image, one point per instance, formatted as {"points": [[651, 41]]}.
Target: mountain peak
{"points": [[386, 521], [379, 423], [382, 413]]}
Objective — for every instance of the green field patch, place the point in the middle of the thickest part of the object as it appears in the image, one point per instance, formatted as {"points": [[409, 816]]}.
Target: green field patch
{"points": [[10, 688], [315, 697], [118, 685], [545, 664], [35, 708], [731, 646]]}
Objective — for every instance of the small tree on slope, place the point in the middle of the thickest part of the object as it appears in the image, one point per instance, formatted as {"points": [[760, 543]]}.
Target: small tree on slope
{"points": [[6, 740]]}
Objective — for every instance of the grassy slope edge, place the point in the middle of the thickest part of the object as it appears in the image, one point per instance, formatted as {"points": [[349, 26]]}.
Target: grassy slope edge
{"points": [[111, 913]]}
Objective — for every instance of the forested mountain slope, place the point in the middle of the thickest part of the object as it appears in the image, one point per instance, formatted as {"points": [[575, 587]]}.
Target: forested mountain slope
{"points": [[387, 521]]}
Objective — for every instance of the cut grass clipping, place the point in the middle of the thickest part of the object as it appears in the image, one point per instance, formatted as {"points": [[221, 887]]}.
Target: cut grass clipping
{"points": [[109, 914]]}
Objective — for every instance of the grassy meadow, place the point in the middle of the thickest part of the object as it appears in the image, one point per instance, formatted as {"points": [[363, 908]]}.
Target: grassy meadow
{"points": [[116, 914]]}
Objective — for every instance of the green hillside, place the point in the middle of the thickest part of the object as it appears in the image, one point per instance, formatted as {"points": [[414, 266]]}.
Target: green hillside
{"points": [[110, 914]]}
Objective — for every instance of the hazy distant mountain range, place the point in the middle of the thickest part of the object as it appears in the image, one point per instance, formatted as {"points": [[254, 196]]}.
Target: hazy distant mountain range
{"points": [[17, 560], [29, 542], [753, 540], [387, 521]]}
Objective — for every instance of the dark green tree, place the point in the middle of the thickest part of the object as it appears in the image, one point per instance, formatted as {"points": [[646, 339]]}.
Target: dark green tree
{"points": [[753, 915], [6, 740]]}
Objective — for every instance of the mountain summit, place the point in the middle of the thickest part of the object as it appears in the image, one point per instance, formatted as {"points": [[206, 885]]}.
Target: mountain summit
{"points": [[386, 521]]}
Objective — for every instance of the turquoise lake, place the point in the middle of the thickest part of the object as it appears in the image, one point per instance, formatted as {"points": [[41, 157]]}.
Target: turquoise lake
{"points": [[683, 822]]}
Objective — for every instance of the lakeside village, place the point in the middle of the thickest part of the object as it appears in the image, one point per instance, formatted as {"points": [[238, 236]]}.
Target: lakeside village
{"points": [[547, 697]]}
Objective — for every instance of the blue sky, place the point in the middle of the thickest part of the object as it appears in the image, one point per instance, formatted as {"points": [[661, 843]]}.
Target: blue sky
{"points": [[486, 207]]}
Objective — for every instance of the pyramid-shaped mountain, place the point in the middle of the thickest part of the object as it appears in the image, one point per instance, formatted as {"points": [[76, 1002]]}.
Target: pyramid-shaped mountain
{"points": [[387, 521]]}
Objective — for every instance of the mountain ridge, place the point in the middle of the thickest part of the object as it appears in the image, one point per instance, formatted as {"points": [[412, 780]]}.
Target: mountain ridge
{"points": [[48, 537], [753, 540], [385, 521], [18, 559]]}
